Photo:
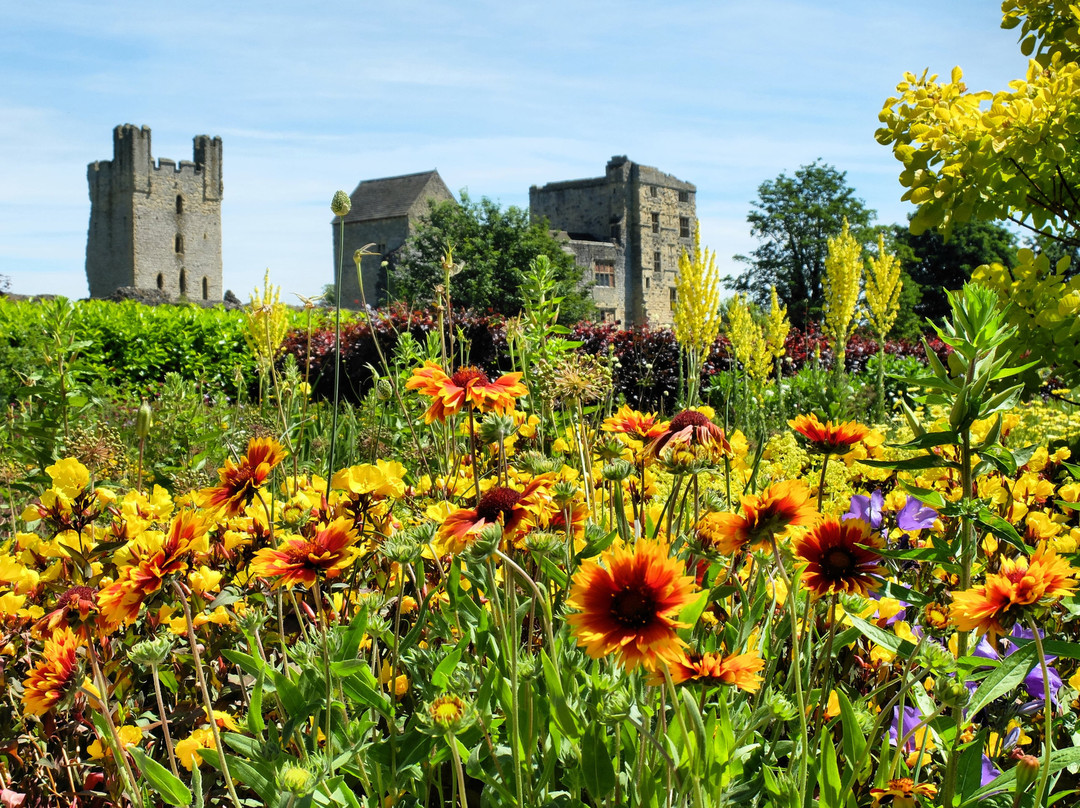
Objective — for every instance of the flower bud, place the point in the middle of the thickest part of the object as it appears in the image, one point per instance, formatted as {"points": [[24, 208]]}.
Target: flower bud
{"points": [[952, 693], [151, 653], [617, 471], [295, 779], [340, 204], [384, 391], [1027, 769], [144, 420]]}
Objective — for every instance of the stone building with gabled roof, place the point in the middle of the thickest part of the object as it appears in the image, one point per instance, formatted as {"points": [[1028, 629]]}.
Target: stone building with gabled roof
{"points": [[383, 213]]}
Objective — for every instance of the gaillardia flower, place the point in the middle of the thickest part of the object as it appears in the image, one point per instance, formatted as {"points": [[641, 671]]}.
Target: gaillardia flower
{"points": [[629, 607], [840, 557], [468, 388], [298, 560], [902, 793], [828, 438], [240, 482], [638, 425], [738, 670], [780, 506], [690, 428], [1020, 585], [52, 678], [515, 510]]}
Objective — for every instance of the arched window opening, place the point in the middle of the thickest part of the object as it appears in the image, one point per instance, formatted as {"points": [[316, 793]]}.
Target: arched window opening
{"points": [[183, 282], [205, 289], [179, 204], [160, 281], [179, 243]]}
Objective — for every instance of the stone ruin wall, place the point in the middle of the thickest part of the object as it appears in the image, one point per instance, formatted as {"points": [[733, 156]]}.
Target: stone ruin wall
{"points": [[155, 225]]}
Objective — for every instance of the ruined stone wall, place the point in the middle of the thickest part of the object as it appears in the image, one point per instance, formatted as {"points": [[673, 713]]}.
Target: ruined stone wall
{"points": [[155, 226], [651, 214], [593, 255], [387, 235]]}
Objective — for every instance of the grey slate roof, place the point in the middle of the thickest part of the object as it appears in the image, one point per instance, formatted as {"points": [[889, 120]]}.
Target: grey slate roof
{"points": [[389, 197]]}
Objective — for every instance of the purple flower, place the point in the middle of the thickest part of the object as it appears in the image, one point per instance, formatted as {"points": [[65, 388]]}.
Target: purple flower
{"points": [[912, 719], [915, 516], [867, 508], [1033, 683], [990, 772]]}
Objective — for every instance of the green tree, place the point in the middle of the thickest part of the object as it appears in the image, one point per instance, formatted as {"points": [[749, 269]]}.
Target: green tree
{"points": [[937, 264], [492, 247], [793, 218]]}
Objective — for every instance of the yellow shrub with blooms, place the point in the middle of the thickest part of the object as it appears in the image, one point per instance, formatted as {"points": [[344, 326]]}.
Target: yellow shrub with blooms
{"points": [[843, 271], [267, 322], [883, 287]]}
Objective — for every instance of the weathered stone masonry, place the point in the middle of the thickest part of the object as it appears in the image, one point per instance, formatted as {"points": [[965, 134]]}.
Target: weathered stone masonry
{"points": [[155, 226], [635, 216]]}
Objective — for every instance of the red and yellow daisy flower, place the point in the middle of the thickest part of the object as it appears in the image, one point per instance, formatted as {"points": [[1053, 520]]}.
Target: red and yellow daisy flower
{"points": [[738, 670], [515, 510], [629, 606], [151, 563], [52, 678], [638, 425], [240, 482], [997, 604], [300, 560], [690, 428], [468, 388], [76, 609], [902, 793], [828, 438], [783, 505], [840, 557]]}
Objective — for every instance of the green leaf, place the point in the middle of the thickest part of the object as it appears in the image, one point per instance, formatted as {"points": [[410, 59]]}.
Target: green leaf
{"points": [[927, 496], [903, 593], [929, 440], [257, 776], [1009, 673], [1000, 528], [885, 639], [564, 716], [441, 677], [164, 782], [596, 766], [829, 774], [917, 463], [854, 741]]}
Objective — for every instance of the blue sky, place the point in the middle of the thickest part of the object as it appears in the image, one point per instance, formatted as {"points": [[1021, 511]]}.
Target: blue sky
{"points": [[498, 96]]}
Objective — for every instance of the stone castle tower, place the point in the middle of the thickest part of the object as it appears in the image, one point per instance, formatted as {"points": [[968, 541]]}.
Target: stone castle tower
{"points": [[155, 226], [627, 229]]}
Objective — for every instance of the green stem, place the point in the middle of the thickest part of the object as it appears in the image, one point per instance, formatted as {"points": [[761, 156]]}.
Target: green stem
{"points": [[796, 665], [1048, 716]]}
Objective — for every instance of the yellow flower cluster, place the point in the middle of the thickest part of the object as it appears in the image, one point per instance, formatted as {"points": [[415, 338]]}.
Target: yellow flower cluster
{"points": [[267, 322], [883, 287], [697, 293], [843, 270], [748, 340], [777, 326]]}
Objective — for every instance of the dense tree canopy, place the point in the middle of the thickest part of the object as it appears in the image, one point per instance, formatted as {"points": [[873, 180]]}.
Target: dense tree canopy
{"points": [[936, 263], [793, 219], [493, 247]]}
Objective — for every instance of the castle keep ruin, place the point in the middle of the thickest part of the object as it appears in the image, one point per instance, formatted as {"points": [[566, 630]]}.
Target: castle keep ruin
{"points": [[627, 229], [155, 226]]}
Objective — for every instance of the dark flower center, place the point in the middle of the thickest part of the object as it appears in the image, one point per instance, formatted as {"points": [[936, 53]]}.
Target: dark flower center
{"points": [[633, 608], [687, 418], [838, 562], [470, 375], [497, 501], [76, 596]]}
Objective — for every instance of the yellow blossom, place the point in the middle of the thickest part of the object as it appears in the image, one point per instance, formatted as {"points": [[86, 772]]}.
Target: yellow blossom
{"points": [[843, 268], [883, 287]]}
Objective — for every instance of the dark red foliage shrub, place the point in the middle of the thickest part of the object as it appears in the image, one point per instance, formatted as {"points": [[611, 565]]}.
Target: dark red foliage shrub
{"points": [[485, 333], [647, 372]]}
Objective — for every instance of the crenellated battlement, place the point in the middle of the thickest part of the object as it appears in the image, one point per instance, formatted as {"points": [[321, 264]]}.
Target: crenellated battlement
{"points": [[155, 224]]}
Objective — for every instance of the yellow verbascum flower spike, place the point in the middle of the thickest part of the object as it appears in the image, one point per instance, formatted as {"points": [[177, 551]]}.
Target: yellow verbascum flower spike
{"points": [[883, 287], [843, 271]]}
